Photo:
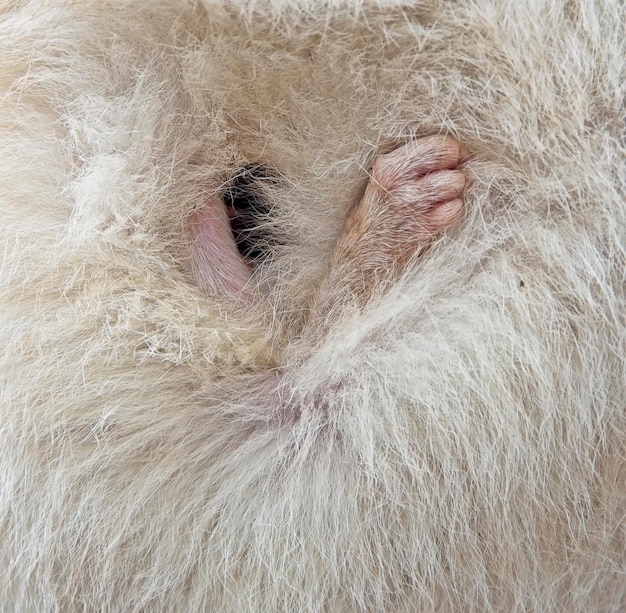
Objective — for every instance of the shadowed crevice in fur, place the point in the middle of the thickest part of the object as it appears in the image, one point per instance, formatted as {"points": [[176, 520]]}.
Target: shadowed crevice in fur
{"points": [[250, 212]]}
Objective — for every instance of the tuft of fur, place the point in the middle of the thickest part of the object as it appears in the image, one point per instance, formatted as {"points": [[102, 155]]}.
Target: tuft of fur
{"points": [[457, 445]]}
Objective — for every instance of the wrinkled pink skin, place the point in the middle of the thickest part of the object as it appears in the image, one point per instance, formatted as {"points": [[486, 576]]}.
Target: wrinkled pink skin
{"points": [[414, 193]]}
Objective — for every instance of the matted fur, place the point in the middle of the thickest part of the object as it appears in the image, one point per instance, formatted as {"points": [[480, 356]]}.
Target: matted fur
{"points": [[457, 446]]}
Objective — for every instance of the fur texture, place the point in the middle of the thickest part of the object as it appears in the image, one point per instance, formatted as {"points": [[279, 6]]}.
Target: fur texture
{"points": [[457, 445]]}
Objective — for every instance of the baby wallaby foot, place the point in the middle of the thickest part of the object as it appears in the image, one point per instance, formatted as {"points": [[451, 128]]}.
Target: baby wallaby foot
{"points": [[414, 193]]}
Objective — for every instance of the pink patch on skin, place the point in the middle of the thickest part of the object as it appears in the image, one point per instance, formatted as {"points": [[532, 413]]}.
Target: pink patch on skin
{"points": [[216, 264]]}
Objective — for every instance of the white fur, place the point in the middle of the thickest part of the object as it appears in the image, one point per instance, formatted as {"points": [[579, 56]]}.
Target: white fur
{"points": [[458, 446]]}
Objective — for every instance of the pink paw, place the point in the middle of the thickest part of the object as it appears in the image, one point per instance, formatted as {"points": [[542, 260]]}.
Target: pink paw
{"points": [[419, 185], [415, 192]]}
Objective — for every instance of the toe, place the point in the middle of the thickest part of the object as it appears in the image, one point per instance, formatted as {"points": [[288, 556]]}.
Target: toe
{"points": [[418, 158], [431, 188], [443, 215]]}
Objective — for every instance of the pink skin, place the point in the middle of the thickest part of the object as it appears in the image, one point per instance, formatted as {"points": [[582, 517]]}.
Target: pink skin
{"points": [[216, 265]]}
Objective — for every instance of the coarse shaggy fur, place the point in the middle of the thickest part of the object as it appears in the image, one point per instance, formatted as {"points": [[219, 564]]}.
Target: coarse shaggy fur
{"points": [[458, 445]]}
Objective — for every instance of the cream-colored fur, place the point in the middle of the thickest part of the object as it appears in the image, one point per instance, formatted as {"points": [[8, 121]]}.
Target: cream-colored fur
{"points": [[457, 446]]}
